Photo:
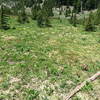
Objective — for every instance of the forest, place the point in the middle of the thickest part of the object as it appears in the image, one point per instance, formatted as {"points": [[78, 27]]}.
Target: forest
{"points": [[49, 49], [41, 11]]}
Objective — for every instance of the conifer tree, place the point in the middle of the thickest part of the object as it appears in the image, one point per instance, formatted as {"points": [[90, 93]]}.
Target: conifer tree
{"points": [[90, 23], [4, 18], [45, 13], [43, 19], [40, 19], [77, 6], [22, 16], [48, 5], [34, 10], [73, 19], [97, 17], [68, 12]]}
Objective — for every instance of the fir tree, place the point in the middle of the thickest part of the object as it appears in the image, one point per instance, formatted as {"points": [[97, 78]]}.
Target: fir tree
{"points": [[90, 23], [22, 16], [40, 19], [4, 18], [43, 19], [34, 10], [48, 5], [97, 17], [77, 6], [68, 12], [73, 19]]}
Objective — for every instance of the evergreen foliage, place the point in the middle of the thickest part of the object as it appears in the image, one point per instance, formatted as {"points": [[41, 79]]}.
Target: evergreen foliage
{"points": [[90, 23], [91, 4], [68, 12], [45, 13], [77, 6], [48, 5], [43, 19], [97, 20], [34, 10], [42, 10], [22, 16], [73, 19], [4, 18]]}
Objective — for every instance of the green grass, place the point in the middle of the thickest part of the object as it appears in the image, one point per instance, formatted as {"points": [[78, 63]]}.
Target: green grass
{"points": [[47, 60]]}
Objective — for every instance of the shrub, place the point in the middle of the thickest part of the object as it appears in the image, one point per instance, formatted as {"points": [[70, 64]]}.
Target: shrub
{"points": [[32, 94], [4, 18]]}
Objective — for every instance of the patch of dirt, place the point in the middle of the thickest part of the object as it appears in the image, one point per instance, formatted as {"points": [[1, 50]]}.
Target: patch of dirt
{"points": [[1, 79], [9, 38], [52, 42], [53, 53], [14, 80]]}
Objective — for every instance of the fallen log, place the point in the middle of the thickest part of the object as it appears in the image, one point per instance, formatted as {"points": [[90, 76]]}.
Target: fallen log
{"points": [[80, 86]]}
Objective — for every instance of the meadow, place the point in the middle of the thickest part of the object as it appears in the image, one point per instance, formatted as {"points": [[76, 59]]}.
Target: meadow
{"points": [[46, 63]]}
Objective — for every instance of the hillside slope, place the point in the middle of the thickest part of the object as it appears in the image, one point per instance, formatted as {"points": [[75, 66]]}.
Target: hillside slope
{"points": [[46, 63]]}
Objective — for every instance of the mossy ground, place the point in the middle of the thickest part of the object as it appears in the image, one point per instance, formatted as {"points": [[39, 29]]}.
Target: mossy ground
{"points": [[46, 63]]}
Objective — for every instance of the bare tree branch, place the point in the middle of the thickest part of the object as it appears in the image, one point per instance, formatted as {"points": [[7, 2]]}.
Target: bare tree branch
{"points": [[78, 88]]}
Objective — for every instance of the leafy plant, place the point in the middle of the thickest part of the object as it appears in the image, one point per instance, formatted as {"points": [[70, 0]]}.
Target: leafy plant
{"points": [[87, 87], [76, 98], [5, 84], [49, 90], [32, 94]]}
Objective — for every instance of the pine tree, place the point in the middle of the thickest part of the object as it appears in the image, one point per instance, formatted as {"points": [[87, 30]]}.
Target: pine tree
{"points": [[68, 12], [48, 5], [97, 17], [90, 23], [22, 16], [73, 19], [43, 19], [77, 6], [34, 10], [91, 4], [4, 18], [40, 19], [45, 13]]}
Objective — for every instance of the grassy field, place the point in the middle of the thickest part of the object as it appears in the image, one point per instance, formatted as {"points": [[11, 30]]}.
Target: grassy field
{"points": [[46, 63]]}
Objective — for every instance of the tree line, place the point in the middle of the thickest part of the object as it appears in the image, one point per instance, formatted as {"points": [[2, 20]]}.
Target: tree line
{"points": [[42, 11], [87, 4]]}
